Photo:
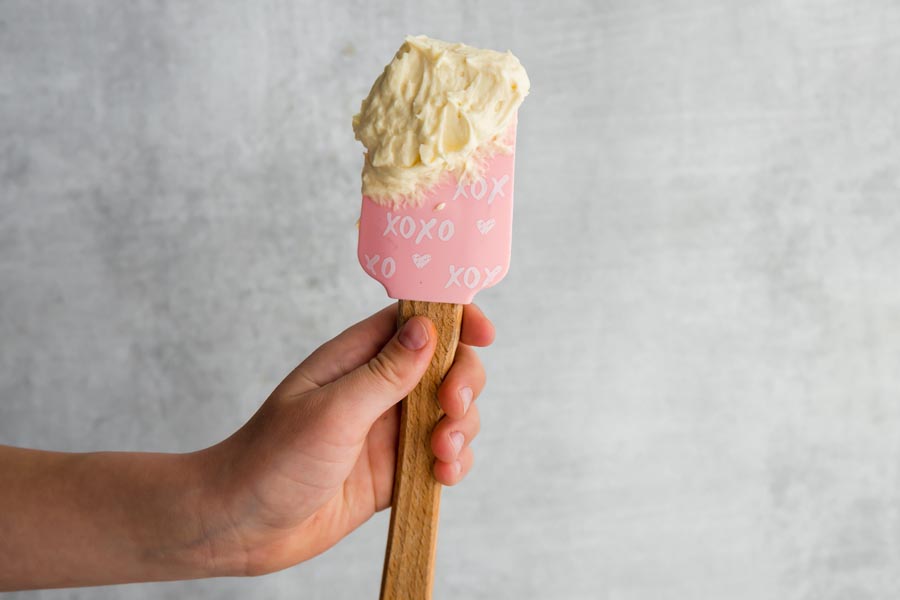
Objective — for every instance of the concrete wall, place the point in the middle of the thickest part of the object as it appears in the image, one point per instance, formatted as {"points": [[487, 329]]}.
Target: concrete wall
{"points": [[695, 391]]}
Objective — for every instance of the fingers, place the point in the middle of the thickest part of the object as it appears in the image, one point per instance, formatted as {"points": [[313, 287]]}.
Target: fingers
{"points": [[463, 383], [357, 344], [451, 436], [477, 329], [357, 399], [453, 473], [350, 349]]}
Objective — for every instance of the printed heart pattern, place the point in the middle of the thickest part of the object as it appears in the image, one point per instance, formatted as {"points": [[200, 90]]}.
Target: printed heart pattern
{"points": [[485, 226], [421, 260]]}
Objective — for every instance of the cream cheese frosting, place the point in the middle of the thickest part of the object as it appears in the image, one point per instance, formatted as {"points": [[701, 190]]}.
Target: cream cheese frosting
{"points": [[437, 108]]}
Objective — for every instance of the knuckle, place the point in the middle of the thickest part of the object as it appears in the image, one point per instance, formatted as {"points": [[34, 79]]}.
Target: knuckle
{"points": [[385, 368]]}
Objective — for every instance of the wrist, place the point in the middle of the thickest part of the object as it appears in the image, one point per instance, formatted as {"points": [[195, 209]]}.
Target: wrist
{"points": [[161, 506], [160, 501], [174, 533], [214, 547]]}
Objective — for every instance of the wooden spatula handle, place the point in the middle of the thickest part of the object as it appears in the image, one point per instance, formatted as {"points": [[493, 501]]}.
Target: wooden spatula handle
{"points": [[412, 539]]}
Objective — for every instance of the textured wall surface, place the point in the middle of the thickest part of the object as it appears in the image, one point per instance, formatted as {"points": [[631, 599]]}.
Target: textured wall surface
{"points": [[695, 392]]}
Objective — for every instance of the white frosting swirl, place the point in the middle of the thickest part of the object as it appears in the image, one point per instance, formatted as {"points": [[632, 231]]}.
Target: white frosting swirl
{"points": [[438, 107]]}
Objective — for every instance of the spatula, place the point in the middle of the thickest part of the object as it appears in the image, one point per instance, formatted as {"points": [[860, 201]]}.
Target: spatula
{"points": [[433, 255]]}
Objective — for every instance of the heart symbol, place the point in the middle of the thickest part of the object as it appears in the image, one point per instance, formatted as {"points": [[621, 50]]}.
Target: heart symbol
{"points": [[485, 226], [421, 260]]}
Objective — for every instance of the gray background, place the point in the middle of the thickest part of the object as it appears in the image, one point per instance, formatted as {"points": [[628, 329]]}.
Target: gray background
{"points": [[695, 391]]}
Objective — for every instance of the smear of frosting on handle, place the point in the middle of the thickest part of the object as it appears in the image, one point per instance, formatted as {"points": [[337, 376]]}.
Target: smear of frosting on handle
{"points": [[437, 108]]}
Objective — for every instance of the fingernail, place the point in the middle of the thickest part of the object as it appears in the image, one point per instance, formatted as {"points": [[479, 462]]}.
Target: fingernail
{"points": [[457, 467], [413, 335], [465, 394], [457, 439]]}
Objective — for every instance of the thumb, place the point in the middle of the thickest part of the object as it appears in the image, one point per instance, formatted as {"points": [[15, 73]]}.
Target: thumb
{"points": [[364, 394]]}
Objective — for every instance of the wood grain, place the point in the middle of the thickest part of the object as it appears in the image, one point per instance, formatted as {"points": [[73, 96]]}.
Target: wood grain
{"points": [[412, 538]]}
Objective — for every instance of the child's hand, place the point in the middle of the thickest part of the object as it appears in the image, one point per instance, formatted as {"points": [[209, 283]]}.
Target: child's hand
{"points": [[317, 459], [315, 462]]}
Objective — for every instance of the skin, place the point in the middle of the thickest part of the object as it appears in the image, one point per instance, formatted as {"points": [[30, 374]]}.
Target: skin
{"points": [[314, 463]]}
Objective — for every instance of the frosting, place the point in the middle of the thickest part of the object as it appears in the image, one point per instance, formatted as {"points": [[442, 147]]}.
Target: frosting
{"points": [[437, 108]]}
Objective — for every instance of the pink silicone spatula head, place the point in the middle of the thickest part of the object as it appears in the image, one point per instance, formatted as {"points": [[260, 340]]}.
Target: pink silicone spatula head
{"points": [[450, 245]]}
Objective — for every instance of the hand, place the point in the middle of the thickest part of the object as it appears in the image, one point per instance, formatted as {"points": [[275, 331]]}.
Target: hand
{"points": [[317, 460], [314, 463]]}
